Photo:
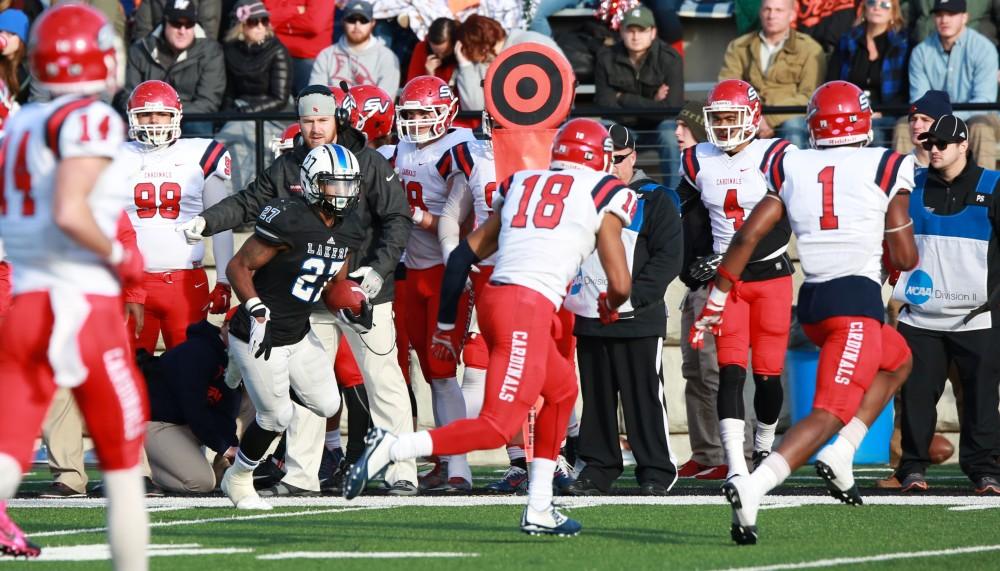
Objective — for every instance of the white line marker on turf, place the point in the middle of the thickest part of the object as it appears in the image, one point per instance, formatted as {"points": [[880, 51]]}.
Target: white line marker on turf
{"points": [[975, 507], [870, 559], [364, 555], [101, 552]]}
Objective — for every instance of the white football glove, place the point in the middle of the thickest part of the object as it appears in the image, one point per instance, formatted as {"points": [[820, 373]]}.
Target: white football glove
{"points": [[260, 332], [369, 280], [192, 230]]}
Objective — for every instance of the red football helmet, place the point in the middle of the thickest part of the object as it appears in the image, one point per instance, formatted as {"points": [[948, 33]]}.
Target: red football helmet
{"points": [[373, 111], [732, 96], [839, 114], [430, 94], [284, 142], [345, 104], [75, 50], [154, 96], [582, 143]]}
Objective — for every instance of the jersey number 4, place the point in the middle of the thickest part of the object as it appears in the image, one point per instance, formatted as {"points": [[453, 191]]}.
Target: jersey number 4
{"points": [[147, 203], [549, 210], [22, 177]]}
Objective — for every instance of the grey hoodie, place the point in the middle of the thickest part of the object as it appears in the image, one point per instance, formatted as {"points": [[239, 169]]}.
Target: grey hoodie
{"points": [[373, 64]]}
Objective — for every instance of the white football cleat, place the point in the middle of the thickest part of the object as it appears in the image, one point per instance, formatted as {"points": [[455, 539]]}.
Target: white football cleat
{"points": [[238, 486], [372, 464], [548, 522], [745, 505], [838, 473]]}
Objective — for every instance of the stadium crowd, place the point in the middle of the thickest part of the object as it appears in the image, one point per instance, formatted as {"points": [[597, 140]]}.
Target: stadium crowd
{"points": [[342, 68]]}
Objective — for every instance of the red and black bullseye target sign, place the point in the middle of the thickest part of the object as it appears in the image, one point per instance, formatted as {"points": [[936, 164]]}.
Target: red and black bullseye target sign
{"points": [[529, 86]]}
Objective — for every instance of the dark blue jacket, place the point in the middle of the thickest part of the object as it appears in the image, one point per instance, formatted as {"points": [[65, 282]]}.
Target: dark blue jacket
{"points": [[894, 63], [187, 386]]}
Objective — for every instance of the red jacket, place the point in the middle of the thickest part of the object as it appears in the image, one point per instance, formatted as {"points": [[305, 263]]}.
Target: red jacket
{"points": [[419, 58], [305, 34]]}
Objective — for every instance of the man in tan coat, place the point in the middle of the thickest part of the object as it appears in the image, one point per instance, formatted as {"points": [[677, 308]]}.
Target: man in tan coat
{"points": [[784, 65]]}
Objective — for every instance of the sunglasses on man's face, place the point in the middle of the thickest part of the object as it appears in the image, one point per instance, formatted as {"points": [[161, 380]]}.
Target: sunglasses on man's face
{"points": [[254, 22], [356, 21], [618, 159], [182, 24], [941, 145]]}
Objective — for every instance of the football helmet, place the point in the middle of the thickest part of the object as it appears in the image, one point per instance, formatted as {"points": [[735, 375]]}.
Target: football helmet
{"points": [[149, 97], [732, 95], [373, 111], [331, 179], [839, 114], [425, 93], [285, 141], [75, 50], [345, 104], [582, 143]]}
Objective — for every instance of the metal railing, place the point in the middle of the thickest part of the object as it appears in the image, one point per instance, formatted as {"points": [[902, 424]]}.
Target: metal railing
{"points": [[584, 110]]}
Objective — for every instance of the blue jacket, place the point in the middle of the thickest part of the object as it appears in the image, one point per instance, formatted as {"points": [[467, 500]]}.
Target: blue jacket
{"points": [[894, 70], [968, 73]]}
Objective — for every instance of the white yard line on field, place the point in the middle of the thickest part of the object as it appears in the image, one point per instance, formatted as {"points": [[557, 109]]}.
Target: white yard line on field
{"points": [[363, 555], [870, 559], [101, 552]]}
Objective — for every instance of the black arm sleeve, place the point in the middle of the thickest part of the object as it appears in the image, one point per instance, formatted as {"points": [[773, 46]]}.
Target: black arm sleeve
{"points": [[456, 272], [244, 206], [665, 240]]}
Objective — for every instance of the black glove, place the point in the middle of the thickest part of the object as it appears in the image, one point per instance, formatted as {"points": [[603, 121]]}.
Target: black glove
{"points": [[360, 323], [704, 268], [260, 333]]}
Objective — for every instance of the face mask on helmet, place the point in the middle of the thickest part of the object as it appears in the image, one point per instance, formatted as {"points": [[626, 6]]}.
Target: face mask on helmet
{"points": [[729, 126], [154, 134], [336, 195], [431, 122]]}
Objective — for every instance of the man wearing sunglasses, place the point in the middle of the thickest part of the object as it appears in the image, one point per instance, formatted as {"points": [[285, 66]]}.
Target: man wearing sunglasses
{"points": [[149, 15], [629, 348], [358, 57], [178, 53], [945, 316]]}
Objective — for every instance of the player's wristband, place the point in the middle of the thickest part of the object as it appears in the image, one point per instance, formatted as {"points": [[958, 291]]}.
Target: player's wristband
{"points": [[418, 216], [117, 253], [252, 304], [718, 297]]}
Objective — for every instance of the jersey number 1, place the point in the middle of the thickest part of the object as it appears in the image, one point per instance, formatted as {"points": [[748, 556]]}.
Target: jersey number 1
{"points": [[828, 221], [549, 210]]}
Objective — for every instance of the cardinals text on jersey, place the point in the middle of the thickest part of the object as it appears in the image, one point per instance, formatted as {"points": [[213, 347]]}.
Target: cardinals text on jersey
{"points": [[730, 186], [549, 224], [167, 186], [36, 139], [836, 200], [424, 171]]}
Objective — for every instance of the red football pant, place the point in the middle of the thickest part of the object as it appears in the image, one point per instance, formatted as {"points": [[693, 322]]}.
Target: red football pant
{"points": [[760, 317], [5, 290], [112, 397], [399, 322], [422, 297], [174, 300], [524, 363], [345, 367], [852, 351]]}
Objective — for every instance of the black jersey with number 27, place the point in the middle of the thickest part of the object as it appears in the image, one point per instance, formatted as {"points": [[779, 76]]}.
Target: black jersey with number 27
{"points": [[292, 282]]}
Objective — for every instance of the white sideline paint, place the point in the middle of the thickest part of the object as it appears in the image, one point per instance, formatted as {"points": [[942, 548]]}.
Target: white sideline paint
{"points": [[363, 555], [101, 552], [870, 559]]}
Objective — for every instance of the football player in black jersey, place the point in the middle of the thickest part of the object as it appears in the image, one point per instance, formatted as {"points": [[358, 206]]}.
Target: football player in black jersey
{"points": [[299, 244]]}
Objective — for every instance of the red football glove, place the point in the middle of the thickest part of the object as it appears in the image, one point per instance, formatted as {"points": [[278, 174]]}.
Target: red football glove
{"points": [[219, 298], [442, 347], [710, 320], [604, 311], [128, 264]]}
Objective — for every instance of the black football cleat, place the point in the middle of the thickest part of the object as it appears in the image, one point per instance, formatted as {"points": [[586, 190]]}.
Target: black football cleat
{"points": [[744, 527], [851, 496]]}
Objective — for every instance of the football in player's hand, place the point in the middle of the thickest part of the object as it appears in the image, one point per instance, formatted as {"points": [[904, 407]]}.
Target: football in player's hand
{"points": [[345, 294], [941, 449]]}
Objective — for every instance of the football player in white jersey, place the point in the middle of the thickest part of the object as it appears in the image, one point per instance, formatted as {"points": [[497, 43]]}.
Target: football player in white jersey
{"points": [[172, 181], [842, 199], [424, 115], [547, 223], [726, 175], [62, 204]]}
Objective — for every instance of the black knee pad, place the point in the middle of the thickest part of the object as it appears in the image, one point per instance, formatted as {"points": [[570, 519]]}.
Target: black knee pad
{"points": [[767, 397], [730, 399]]}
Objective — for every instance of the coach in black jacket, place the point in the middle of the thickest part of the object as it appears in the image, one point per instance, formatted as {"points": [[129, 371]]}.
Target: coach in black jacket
{"points": [[624, 357], [385, 216]]}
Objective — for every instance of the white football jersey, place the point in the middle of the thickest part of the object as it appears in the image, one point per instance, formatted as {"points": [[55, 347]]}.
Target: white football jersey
{"points": [[37, 139], [836, 200], [423, 172], [730, 186], [167, 186], [549, 224], [474, 159]]}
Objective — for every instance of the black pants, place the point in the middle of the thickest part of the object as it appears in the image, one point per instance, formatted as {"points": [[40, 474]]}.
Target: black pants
{"points": [[933, 352], [631, 368]]}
